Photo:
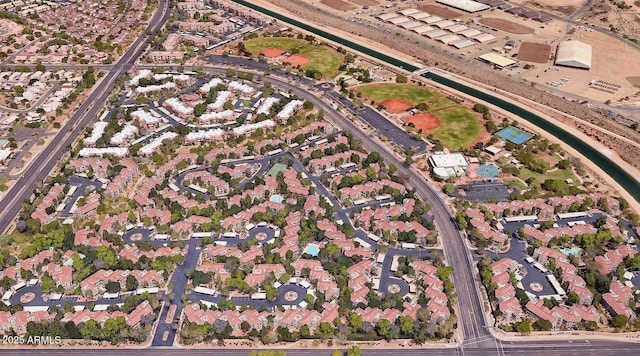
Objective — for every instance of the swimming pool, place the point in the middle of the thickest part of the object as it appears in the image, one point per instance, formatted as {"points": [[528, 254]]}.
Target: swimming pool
{"points": [[276, 199], [487, 171], [312, 250], [570, 251]]}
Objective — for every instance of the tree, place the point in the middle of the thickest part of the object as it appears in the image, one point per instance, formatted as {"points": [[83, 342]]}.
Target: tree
{"points": [[337, 353], [620, 320], [355, 320], [354, 351], [401, 79], [324, 330], [131, 283], [449, 188], [405, 322], [112, 287], [523, 327], [384, 326], [543, 325]]}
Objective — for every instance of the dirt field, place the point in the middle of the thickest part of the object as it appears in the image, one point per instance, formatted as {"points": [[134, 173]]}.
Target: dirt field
{"points": [[558, 7], [440, 11], [272, 52], [506, 26], [424, 121], [534, 52], [297, 60], [396, 105], [365, 2], [338, 5], [635, 81]]}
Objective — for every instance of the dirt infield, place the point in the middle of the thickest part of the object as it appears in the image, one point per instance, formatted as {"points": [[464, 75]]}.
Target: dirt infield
{"points": [[272, 52], [635, 81], [365, 2], [424, 121], [534, 52], [396, 105], [339, 5], [440, 11], [506, 26], [297, 60]]}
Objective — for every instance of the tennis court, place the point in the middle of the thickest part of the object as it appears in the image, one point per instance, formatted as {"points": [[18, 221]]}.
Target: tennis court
{"points": [[514, 135]]}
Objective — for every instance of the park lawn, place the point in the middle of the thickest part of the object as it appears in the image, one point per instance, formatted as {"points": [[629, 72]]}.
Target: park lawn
{"points": [[459, 128], [411, 93], [516, 183], [441, 103], [561, 174], [257, 45], [323, 59]]}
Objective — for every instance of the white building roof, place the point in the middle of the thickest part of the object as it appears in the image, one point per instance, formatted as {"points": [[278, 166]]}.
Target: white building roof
{"points": [[407, 12], [153, 145], [574, 54], [449, 39], [432, 19], [204, 89], [221, 98], [152, 88], [116, 151], [289, 109], [128, 131], [422, 29], [387, 17], [217, 116], [266, 105], [96, 133], [204, 135], [484, 37], [465, 5], [178, 106], [449, 160], [462, 43], [497, 59], [241, 130]]}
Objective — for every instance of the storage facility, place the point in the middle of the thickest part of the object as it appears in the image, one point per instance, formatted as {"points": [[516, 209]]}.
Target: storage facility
{"points": [[574, 54], [497, 60], [465, 5]]}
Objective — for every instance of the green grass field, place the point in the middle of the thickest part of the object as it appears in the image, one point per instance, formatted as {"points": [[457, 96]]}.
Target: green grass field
{"points": [[411, 93], [260, 44], [441, 104], [321, 58], [459, 127], [561, 174], [516, 183]]}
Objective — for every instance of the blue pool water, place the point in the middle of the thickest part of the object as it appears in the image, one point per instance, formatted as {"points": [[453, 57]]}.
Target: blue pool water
{"points": [[312, 250], [487, 171], [276, 198], [570, 251]]}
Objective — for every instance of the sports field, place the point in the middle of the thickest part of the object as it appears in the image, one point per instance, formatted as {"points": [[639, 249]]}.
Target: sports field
{"points": [[410, 93], [459, 127], [320, 58]]}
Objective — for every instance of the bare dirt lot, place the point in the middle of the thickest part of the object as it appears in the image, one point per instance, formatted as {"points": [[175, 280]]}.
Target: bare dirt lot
{"points": [[635, 81], [338, 5], [365, 2], [424, 121], [440, 11], [534, 52], [297, 60], [396, 105], [506, 26], [556, 7], [272, 52]]}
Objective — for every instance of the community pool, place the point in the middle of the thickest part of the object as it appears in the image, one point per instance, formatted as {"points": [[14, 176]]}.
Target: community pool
{"points": [[276, 198], [487, 171], [312, 249], [571, 251]]}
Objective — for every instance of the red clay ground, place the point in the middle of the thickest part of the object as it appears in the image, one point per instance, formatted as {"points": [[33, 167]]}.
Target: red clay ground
{"points": [[272, 52], [396, 105], [506, 26], [424, 121], [534, 52], [297, 60], [440, 11]]}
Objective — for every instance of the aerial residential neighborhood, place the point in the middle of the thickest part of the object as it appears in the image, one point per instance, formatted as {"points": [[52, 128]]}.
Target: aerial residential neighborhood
{"points": [[340, 177]]}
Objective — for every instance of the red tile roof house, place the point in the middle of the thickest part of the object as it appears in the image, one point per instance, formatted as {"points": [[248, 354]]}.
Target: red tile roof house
{"points": [[18, 321], [538, 309], [611, 259], [96, 282], [133, 319], [617, 300], [62, 275]]}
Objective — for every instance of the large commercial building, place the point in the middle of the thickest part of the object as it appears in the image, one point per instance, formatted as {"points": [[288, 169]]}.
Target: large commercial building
{"points": [[465, 5], [574, 54], [446, 165], [497, 60]]}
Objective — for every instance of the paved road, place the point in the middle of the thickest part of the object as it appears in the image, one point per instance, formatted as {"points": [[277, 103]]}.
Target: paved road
{"points": [[44, 163]]}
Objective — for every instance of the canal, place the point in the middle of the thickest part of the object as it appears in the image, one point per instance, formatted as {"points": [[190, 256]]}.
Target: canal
{"points": [[616, 172]]}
